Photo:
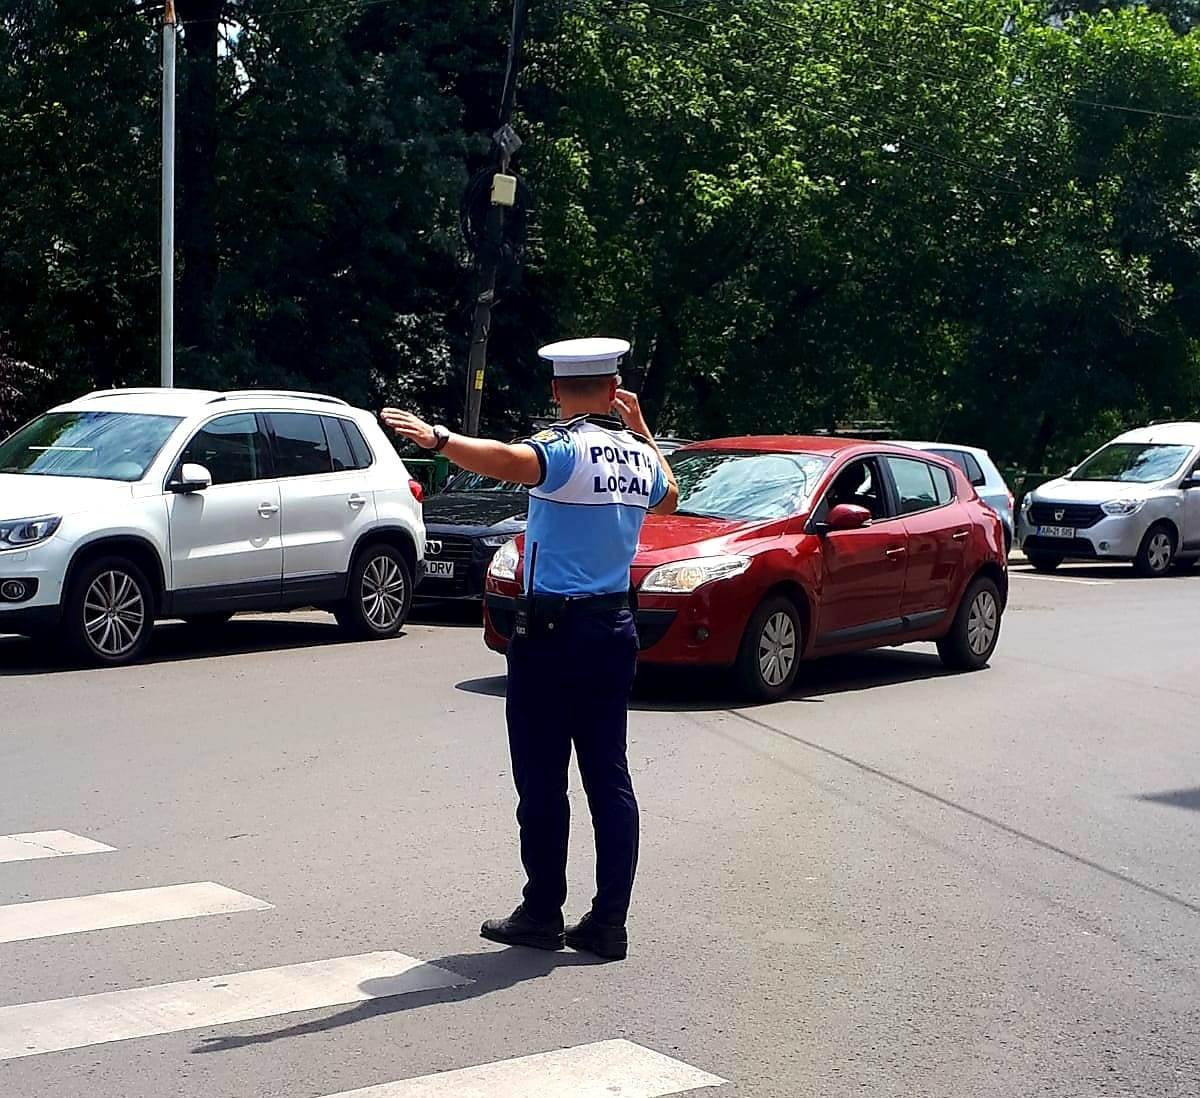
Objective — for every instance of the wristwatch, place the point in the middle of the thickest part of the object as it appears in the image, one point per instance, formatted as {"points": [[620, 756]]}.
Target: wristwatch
{"points": [[441, 435]]}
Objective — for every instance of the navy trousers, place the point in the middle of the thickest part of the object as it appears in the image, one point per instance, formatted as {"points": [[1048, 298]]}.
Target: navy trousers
{"points": [[570, 686]]}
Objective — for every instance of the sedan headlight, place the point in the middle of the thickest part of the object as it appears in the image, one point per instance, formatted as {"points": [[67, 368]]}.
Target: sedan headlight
{"points": [[681, 577], [18, 533], [1122, 506], [504, 563]]}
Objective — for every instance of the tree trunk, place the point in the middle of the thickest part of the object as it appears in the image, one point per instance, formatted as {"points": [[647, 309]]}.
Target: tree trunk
{"points": [[196, 176]]}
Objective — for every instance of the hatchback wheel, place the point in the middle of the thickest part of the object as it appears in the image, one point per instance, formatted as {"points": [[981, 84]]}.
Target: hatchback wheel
{"points": [[109, 612], [771, 648], [1156, 552], [379, 595], [975, 630]]}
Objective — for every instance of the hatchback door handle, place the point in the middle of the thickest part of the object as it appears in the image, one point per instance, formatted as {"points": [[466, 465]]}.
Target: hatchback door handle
{"points": [[896, 552], [268, 509], [961, 535], [356, 500]]}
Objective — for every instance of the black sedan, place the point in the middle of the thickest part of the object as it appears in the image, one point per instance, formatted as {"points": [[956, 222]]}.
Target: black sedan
{"points": [[466, 523]]}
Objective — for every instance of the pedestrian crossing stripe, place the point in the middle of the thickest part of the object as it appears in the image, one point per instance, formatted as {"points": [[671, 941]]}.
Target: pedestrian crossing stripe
{"points": [[76, 914], [604, 1069], [29, 1029], [47, 844]]}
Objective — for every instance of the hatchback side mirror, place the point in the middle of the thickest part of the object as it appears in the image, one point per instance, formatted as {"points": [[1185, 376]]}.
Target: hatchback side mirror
{"points": [[192, 478], [847, 516], [1192, 481]]}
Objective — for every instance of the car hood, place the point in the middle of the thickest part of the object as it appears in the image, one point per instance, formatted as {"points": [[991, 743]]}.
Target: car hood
{"points": [[1064, 490], [26, 496], [477, 509], [677, 537]]}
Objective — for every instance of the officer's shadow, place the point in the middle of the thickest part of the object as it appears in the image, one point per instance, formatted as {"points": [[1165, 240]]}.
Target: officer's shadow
{"points": [[487, 971]]}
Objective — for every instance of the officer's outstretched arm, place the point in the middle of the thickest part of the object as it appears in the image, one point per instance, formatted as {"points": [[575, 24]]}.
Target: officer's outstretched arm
{"points": [[504, 461]]}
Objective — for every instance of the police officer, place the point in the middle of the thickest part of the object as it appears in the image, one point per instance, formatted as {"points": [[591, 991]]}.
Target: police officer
{"points": [[571, 660]]}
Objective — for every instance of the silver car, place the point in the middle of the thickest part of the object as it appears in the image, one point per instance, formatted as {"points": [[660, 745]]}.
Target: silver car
{"points": [[1136, 499], [982, 473]]}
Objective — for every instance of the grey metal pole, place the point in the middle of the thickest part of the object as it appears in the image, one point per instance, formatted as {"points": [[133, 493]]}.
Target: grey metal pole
{"points": [[167, 351]]}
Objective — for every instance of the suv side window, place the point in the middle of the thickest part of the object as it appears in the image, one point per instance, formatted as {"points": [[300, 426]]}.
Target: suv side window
{"points": [[231, 448], [301, 449], [363, 458], [339, 445], [967, 463], [914, 484]]}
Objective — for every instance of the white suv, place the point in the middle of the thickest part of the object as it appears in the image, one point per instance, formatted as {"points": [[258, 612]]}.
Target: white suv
{"points": [[1138, 499], [134, 504]]}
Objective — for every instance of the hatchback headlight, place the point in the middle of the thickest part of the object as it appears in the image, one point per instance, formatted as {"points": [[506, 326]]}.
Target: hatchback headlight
{"points": [[18, 533], [504, 563], [1122, 506], [681, 577]]}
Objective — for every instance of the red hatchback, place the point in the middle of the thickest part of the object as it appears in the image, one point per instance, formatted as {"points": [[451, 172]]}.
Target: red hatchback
{"points": [[788, 548]]}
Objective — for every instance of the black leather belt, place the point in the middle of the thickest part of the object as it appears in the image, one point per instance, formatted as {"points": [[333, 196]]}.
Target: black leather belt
{"points": [[581, 604]]}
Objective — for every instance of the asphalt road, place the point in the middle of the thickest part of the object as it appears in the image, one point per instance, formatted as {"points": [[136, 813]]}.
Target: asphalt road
{"points": [[898, 882]]}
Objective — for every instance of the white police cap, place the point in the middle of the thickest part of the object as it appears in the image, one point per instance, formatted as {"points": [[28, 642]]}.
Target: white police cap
{"points": [[585, 357]]}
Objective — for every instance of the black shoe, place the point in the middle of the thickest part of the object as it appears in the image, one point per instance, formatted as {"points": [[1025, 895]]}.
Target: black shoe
{"points": [[519, 929], [602, 939]]}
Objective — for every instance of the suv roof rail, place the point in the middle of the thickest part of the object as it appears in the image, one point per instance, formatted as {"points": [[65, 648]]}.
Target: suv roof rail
{"points": [[253, 394], [100, 393]]}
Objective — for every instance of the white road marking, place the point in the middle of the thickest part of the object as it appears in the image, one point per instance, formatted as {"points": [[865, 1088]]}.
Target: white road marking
{"points": [[606, 1069], [46, 844], [1060, 579], [75, 914], [29, 1029]]}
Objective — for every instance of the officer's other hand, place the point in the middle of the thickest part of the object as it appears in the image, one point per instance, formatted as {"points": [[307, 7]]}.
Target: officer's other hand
{"points": [[629, 408], [406, 425]]}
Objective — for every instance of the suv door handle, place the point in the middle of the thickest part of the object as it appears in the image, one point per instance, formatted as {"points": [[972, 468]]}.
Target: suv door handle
{"points": [[356, 500], [268, 509]]}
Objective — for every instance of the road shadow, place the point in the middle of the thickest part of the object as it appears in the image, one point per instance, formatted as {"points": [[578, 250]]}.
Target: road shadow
{"points": [[488, 971], [460, 613], [663, 689], [1117, 570], [174, 642], [1175, 798]]}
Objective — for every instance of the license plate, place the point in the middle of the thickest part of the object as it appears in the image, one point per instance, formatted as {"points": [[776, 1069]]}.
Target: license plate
{"points": [[1065, 532], [442, 568]]}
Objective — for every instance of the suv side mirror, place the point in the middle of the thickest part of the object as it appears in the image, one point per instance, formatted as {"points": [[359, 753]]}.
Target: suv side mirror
{"points": [[847, 516], [192, 478]]}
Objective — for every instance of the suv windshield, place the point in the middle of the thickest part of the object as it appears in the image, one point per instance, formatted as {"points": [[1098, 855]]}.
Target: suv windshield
{"points": [[105, 445], [733, 485], [1135, 462], [477, 482]]}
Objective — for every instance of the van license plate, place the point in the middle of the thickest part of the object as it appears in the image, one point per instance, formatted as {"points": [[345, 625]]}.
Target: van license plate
{"points": [[442, 568], [1065, 532]]}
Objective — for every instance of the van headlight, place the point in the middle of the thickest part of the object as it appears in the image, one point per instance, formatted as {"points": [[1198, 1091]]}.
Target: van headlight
{"points": [[19, 533], [682, 577], [1122, 506], [504, 563]]}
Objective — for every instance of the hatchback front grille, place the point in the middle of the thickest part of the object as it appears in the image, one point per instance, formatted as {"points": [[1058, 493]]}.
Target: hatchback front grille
{"points": [[1078, 516]]}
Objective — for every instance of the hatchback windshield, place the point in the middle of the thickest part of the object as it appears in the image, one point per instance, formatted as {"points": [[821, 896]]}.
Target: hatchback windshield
{"points": [[1136, 462], [731, 485], [477, 482], [105, 445]]}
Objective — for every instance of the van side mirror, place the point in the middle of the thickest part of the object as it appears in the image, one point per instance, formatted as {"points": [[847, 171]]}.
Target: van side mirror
{"points": [[847, 516], [191, 478]]}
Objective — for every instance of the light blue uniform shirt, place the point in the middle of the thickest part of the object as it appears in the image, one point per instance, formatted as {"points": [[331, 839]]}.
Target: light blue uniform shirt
{"points": [[598, 481]]}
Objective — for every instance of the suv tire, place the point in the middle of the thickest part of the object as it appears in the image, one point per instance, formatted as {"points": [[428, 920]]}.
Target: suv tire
{"points": [[378, 596], [771, 648], [108, 614], [975, 630], [1157, 551], [1043, 562]]}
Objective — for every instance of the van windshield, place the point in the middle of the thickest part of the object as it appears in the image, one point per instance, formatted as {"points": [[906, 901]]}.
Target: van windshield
{"points": [[1133, 462]]}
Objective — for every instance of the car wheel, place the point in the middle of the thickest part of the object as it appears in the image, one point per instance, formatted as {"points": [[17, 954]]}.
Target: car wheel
{"points": [[771, 648], [1043, 562], [1156, 552], [109, 612], [975, 630], [207, 621], [379, 595]]}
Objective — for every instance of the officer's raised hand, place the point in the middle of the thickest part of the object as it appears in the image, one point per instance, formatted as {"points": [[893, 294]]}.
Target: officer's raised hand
{"points": [[504, 461]]}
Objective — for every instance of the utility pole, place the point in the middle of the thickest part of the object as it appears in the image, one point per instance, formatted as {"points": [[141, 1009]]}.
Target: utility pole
{"points": [[505, 142], [167, 263]]}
